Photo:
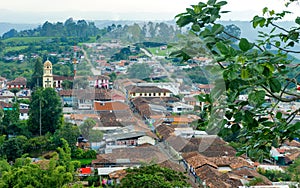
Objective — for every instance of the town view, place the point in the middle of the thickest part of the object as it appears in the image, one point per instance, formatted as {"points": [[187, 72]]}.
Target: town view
{"points": [[192, 101]]}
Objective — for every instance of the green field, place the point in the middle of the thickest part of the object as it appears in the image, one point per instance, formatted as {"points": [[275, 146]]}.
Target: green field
{"points": [[26, 39], [84, 161], [14, 48], [158, 51]]}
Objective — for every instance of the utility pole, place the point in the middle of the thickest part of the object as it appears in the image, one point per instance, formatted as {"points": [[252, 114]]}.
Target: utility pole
{"points": [[40, 114]]}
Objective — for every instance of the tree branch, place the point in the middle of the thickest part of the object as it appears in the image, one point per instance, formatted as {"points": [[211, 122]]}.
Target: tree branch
{"points": [[271, 94]]}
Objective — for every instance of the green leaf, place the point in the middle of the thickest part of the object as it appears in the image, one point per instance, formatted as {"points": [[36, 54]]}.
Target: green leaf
{"points": [[259, 68], [184, 20], [278, 115], [257, 98], [249, 119], [291, 44], [211, 2], [294, 36], [245, 74], [265, 10], [275, 85], [245, 45], [221, 3], [222, 47], [270, 67], [217, 29], [297, 20], [258, 21], [202, 5], [195, 27], [190, 11], [225, 11]]}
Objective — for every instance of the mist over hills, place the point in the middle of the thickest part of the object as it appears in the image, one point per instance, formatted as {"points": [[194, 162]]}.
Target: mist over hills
{"points": [[4, 27], [247, 30]]}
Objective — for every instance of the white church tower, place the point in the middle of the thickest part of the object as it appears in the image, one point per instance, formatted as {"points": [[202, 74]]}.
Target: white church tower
{"points": [[47, 76]]}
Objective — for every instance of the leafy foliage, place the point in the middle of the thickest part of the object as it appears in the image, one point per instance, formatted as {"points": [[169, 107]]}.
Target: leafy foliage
{"points": [[248, 68], [275, 175], [139, 71], [56, 172], [69, 132], [51, 111], [153, 176], [86, 127]]}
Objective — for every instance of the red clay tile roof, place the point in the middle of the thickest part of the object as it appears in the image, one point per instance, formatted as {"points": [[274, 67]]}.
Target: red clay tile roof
{"points": [[58, 77], [67, 92], [207, 145], [249, 173], [232, 162], [82, 117], [211, 176], [2, 78], [92, 94], [116, 119], [101, 77], [18, 81], [111, 106], [164, 131], [24, 111], [144, 154], [293, 143], [189, 99], [5, 105], [148, 89], [197, 160]]}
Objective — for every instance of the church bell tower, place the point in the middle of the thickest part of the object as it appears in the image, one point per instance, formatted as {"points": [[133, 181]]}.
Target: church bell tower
{"points": [[47, 76]]}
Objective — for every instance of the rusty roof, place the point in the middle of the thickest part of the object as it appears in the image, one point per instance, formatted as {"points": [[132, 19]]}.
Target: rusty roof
{"points": [[111, 106]]}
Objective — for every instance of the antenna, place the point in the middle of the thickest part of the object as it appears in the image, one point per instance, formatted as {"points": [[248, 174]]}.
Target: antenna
{"points": [[40, 114]]}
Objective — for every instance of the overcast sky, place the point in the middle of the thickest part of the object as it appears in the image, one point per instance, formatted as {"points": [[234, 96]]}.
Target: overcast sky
{"points": [[59, 10]]}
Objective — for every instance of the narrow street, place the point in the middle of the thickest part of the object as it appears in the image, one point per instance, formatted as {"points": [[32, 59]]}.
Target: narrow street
{"points": [[93, 69]]}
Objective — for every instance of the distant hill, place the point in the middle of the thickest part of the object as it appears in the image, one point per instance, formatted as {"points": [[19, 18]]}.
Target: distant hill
{"points": [[251, 33], [247, 31], [4, 27], [246, 26]]}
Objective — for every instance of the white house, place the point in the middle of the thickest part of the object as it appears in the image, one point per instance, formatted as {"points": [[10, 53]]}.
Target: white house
{"points": [[179, 107]]}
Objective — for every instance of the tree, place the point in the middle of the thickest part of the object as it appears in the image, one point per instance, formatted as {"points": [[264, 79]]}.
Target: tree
{"points": [[153, 176], [37, 76], [112, 76], [247, 68], [1, 119], [14, 147], [139, 71], [69, 132], [14, 91], [95, 136], [46, 107], [11, 120], [294, 170], [86, 127], [67, 84], [59, 171], [11, 33]]}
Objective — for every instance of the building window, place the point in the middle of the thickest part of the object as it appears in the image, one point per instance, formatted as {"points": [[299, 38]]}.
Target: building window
{"points": [[154, 94], [149, 94], [140, 94], [165, 94], [133, 94]]}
